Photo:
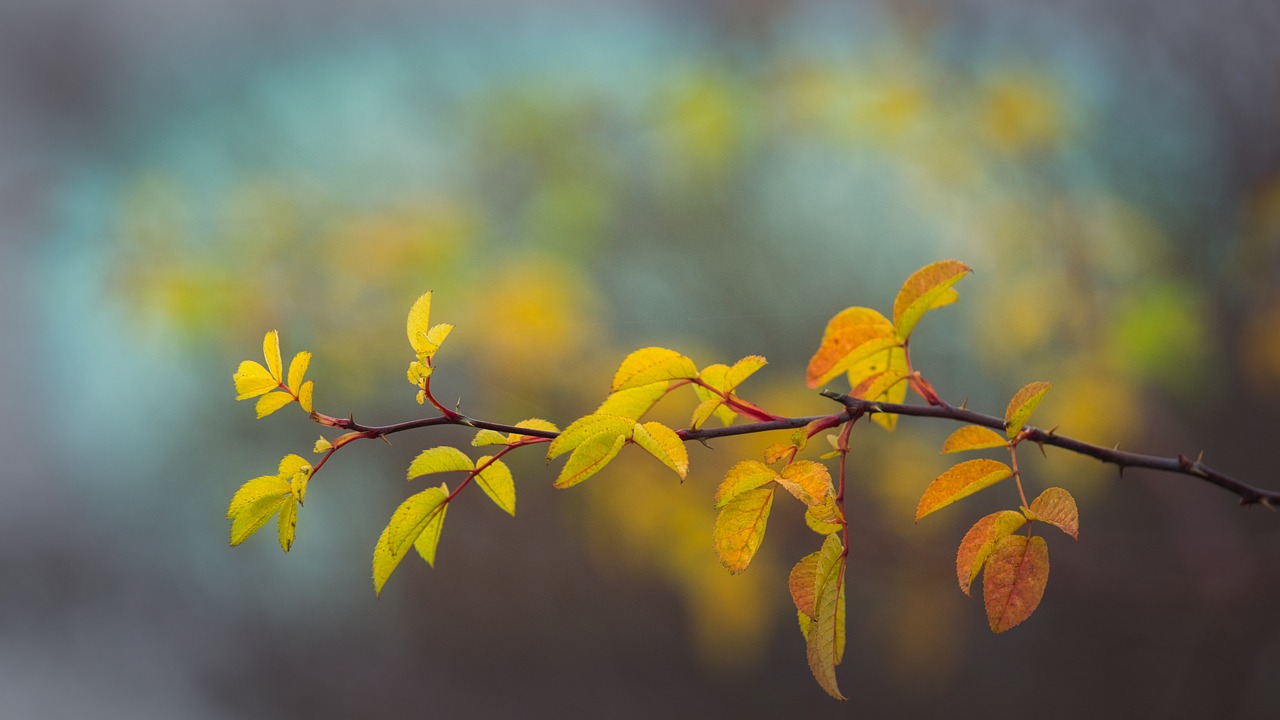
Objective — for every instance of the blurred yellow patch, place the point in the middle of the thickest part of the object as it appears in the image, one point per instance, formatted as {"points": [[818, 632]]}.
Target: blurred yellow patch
{"points": [[703, 127], [1023, 112]]}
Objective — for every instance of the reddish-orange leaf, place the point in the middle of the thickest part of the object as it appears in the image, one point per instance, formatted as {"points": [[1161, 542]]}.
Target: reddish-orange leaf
{"points": [[1014, 581], [927, 288], [808, 481], [1056, 507], [852, 335], [981, 540], [1024, 402], [961, 481], [744, 476], [740, 527], [650, 365], [972, 437]]}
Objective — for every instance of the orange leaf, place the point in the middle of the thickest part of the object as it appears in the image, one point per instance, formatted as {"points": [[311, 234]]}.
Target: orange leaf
{"points": [[961, 481], [803, 582], [651, 365], [808, 481], [981, 540], [972, 437], [852, 335], [1024, 402], [927, 288], [740, 527], [1014, 581], [1056, 507]]}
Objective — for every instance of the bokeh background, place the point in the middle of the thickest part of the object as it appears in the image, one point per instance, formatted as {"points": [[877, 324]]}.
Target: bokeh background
{"points": [[575, 180]]}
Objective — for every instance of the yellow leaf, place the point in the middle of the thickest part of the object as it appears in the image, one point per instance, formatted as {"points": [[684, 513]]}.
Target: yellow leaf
{"points": [[271, 349], [1056, 507], [882, 369], [961, 481], [742, 370], [439, 459], [776, 451], [287, 523], [429, 540], [823, 519], [928, 288], [663, 443], [292, 466], [808, 481], [740, 527], [634, 402], [272, 402], [532, 424], [1024, 403], [1014, 581], [852, 335], [589, 457], [980, 541], [650, 365], [254, 504], [322, 445], [488, 437], [418, 372], [825, 640], [497, 483], [298, 369], [305, 395], [584, 428], [972, 437], [407, 524], [744, 476], [436, 336], [253, 380], [708, 407], [419, 324]]}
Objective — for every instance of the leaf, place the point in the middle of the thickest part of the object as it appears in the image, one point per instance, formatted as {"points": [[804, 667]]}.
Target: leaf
{"points": [[1024, 402], [823, 519], [1056, 507], [776, 451], [272, 402], [980, 541], [663, 443], [497, 483], [304, 395], [295, 469], [744, 476], [589, 458], [419, 324], [436, 336], [711, 405], [488, 437], [852, 335], [252, 380], [254, 504], [650, 365], [429, 540], [927, 289], [407, 524], [584, 428], [740, 527], [803, 583], [808, 481], [439, 459], [1014, 581], [880, 377], [322, 445], [825, 639], [287, 524], [634, 402], [271, 350], [418, 372], [297, 370], [972, 437], [961, 481], [532, 424], [742, 370]]}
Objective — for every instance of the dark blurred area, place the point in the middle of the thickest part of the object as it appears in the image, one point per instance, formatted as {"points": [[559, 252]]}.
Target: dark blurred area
{"points": [[575, 181]]}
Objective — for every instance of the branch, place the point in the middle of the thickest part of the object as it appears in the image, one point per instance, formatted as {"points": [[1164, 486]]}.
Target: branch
{"points": [[1182, 465]]}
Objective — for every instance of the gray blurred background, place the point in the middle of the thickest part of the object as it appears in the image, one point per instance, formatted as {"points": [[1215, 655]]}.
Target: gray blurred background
{"points": [[576, 180]]}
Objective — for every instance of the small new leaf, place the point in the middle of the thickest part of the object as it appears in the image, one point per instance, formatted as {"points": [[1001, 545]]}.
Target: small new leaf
{"points": [[1056, 507], [972, 437], [438, 459], [408, 523], [497, 483], [1014, 581], [961, 481], [1024, 402], [740, 527], [853, 335], [980, 541], [927, 289], [650, 365]]}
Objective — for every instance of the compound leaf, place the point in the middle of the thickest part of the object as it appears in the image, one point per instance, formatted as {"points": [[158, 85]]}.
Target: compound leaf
{"points": [[1024, 402], [438, 459], [740, 527], [651, 365], [981, 540], [961, 481], [1056, 507], [928, 288], [1014, 581], [972, 437], [852, 335]]}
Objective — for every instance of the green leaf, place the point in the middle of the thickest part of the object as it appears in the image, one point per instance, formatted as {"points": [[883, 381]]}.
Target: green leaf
{"points": [[407, 524], [1024, 403], [651, 365], [959, 482], [497, 483], [740, 527], [589, 458], [439, 459]]}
